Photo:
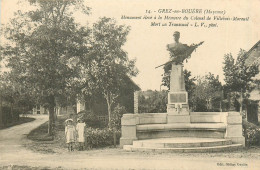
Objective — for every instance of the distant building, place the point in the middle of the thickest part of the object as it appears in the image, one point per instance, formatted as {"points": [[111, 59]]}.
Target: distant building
{"points": [[254, 58], [65, 110], [40, 110], [58, 110], [98, 105]]}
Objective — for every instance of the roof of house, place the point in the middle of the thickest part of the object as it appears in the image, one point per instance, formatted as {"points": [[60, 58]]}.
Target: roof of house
{"points": [[129, 81], [253, 55]]}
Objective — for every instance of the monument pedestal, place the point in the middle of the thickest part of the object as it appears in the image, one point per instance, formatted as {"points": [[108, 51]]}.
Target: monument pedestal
{"points": [[177, 107]]}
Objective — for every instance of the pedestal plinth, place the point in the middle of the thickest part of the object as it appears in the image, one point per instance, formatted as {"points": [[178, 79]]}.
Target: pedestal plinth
{"points": [[177, 107]]}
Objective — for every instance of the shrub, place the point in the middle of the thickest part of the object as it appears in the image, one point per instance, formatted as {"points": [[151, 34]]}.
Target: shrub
{"points": [[90, 119], [7, 117], [152, 101], [116, 116], [251, 133], [101, 137]]}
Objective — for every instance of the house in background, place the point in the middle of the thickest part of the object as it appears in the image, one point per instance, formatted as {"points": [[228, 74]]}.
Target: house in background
{"points": [[253, 57], [39, 110], [80, 106], [64, 110], [98, 104]]}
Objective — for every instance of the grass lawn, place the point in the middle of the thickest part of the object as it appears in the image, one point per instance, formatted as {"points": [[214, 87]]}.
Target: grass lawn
{"points": [[21, 121], [44, 143]]}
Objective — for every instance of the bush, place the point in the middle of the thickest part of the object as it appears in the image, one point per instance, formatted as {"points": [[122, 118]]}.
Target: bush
{"points": [[116, 116], [152, 101], [90, 119], [7, 117], [251, 132], [101, 137]]}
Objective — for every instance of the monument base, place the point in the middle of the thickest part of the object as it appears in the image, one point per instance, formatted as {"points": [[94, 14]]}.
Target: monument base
{"points": [[178, 118], [126, 141], [216, 125]]}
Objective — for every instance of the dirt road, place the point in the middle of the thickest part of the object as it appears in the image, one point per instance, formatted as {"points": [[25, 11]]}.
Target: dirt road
{"points": [[12, 152]]}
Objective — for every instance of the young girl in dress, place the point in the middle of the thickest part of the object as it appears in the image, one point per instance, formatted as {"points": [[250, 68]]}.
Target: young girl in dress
{"points": [[70, 134], [81, 137]]}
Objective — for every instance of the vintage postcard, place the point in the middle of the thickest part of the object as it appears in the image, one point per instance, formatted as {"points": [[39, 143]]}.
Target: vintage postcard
{"points": [[129, 84]]}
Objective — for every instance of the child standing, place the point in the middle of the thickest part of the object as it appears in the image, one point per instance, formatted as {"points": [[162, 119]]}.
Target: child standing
{"points": [[81, 137], [70, 133]]}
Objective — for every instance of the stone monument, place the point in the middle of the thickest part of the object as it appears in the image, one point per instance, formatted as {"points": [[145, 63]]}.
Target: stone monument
{"points": [[178, 107], [180, 130]]}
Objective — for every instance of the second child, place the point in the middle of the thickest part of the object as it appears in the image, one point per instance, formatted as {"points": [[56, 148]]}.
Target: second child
{"points": [[81, 130], [70, 134]]}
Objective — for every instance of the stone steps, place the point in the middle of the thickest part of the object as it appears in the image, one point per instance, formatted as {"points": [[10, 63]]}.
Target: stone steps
{"points": [[181, 142], [183, 145]]}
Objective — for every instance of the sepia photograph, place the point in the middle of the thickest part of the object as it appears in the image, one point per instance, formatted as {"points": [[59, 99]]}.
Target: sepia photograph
{"points": [[129, 84]]}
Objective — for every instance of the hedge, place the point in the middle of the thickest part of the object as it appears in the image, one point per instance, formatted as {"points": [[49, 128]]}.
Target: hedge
{"points": [[251, 133], [101, 137]]}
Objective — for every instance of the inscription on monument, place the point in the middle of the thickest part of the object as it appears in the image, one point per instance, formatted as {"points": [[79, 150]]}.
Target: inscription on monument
{"points": [[178, 98]]}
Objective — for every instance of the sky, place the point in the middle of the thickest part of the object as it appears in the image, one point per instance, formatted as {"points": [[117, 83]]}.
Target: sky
{"points": [[147, 44]]}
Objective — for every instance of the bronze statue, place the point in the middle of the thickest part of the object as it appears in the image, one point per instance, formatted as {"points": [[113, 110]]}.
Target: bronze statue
{"points": [[178, 51]]}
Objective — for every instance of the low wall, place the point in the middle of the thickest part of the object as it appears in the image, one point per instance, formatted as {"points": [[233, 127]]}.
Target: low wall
{"points": [[197, 124]]}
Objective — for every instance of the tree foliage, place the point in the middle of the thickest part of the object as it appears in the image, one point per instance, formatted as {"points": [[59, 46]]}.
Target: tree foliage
{"points": [[152, 101], [108, 65], [42, 45], [238, 76], [56, 58], [207, 94], [14, 97]]}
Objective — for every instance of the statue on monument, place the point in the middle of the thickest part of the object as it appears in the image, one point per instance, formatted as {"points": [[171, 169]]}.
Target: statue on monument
{"points": [[177, 96], [178, 51]]}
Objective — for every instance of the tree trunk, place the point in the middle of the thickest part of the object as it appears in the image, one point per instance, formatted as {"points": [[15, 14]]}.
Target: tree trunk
{"points": [[51, 115], [109, 115], [50, 123], [1, 113], [246, 110], [12, 112], [54, 115], [220, 106], [241, 101], [109, 103]]}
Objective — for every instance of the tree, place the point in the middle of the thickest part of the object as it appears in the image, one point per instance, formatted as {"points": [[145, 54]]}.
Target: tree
{"points": [[238, 75], [109, 64], [15, 98], [153, 101], [207, 94], [117, 115], [42, 46]]}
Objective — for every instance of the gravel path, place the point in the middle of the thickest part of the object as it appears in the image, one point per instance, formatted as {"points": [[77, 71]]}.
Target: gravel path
{"points": [[12, 152]]}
